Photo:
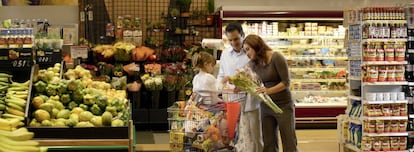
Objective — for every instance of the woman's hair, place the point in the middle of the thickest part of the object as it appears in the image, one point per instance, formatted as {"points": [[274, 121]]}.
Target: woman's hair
{"points": [[201, 58], [259, 47]]}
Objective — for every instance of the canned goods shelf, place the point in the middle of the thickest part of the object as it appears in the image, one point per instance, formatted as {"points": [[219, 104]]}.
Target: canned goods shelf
{"points": [[308, 46], [318, 80], [385, 102], [386, 118], [384, 62], [384, 21], [385, 40], [386, 134], [304, 37], [315, 58], [318, 69], [386, 83]]}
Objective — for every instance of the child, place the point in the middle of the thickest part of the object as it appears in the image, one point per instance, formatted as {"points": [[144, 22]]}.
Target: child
{"points": [[204, 83]]}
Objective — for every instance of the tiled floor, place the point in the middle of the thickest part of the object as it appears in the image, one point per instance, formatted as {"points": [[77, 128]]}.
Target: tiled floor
{"points": [[309, 140]]}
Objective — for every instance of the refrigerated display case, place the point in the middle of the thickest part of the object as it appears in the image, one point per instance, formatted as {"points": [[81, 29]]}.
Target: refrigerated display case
{"points": [[313, 44]]}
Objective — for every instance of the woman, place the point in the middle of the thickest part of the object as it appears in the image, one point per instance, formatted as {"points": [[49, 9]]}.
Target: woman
{"points": [[271, 67]]}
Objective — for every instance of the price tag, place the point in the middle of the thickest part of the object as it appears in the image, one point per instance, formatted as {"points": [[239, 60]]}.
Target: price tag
{"points": [[21, 58], [48, 56], [79, 52]]}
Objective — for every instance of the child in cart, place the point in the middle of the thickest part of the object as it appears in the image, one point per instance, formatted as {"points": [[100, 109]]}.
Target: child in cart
{"points": [[204, 83]]}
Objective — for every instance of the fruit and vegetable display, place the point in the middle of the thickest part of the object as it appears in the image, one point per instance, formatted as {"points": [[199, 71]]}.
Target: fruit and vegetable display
{"points": [[124, 51], [13, 97], [76, 101]]}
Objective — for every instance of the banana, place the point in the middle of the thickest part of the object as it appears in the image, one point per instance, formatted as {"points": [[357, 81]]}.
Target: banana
{"points": [[7, 115], [2, 107], [7, 128], [17, 101], [4, 83], [5, 145], [26, 92], [24, 84], [15, 106], [24, 97], [5, 75], [4, 79], [14, 112], [21, 88], [20, 134], [18, 143]]}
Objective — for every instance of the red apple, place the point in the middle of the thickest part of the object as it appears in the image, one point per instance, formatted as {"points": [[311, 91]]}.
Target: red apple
{"points": [[152, 57]]}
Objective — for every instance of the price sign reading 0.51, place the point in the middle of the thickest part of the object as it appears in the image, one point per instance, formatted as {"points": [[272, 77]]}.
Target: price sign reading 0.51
{"points": [[20, 63]]}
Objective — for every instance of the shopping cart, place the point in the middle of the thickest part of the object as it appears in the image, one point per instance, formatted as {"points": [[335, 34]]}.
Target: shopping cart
{"points": [[199, 127]]}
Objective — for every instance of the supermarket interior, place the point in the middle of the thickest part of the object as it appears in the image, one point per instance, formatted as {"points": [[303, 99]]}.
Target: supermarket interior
{"points": [[117, 75]]}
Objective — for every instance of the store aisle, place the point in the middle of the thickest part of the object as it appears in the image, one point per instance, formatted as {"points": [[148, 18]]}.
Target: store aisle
{"points": [[309, 140]]}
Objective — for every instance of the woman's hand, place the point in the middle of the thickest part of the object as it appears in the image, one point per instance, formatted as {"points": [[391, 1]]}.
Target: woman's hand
{"points": [[261, 90]]}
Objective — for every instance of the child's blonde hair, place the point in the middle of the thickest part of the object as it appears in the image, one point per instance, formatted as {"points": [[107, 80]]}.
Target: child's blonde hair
{"points": [[201, 58]]}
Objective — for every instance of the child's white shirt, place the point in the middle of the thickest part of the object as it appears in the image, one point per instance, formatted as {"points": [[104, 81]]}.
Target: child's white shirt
{"points": [[207, 85]]}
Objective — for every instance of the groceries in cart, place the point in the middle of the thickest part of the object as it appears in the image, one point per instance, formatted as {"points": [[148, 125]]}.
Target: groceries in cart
{"points": [[198, 126]]}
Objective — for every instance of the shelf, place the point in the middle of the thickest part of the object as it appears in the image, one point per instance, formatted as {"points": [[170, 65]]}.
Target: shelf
{"points": [[355, 98], [355, 78], [385, 118], [303, 37], [386, 134], [308, 46], [319, 91], [318, 80], [385, 40], [386, 83], [318, 69], [320, 105], [384, 62], [315, 58], [384, 102], [352, 147], [354, 58], [383, 21]]}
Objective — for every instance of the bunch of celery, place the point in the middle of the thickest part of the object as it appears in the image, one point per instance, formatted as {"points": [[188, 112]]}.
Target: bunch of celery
{"points": [[243, 82]]}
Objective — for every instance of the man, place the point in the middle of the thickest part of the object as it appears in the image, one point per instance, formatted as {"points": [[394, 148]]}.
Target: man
{"points": [[249, 131], [232, 58]]}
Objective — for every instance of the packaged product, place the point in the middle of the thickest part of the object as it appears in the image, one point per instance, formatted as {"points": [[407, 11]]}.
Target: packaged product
{"points": [[403, 126], [394, 143], [380, 52], [403, 110], [390, 73], [373, 73], [380, 126], [387, 126], [385, 144], [386, 110], [382, 73], [395, 109], [376, 144], [399, 51], [394, 125], [399, 73], [389, 52], [366, 144], [402, 143], [372, 126]]}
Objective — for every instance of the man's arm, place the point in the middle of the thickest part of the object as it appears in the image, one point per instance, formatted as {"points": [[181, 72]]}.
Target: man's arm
{"points": [[221, 72]]}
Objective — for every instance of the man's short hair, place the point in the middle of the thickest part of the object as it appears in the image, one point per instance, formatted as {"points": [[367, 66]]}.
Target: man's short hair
{"points": [[234, 26]]}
